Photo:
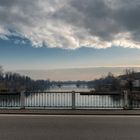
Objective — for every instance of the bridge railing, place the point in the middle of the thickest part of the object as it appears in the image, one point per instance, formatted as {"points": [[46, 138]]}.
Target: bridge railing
{"points": [[10, 100], [70, 100]]}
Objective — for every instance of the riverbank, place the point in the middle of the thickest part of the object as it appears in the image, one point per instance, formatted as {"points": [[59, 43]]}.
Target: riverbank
{"points": [[69, 112]]}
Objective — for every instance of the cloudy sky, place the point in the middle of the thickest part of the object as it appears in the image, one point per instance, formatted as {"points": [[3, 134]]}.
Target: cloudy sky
{"points": [[62, 34]]}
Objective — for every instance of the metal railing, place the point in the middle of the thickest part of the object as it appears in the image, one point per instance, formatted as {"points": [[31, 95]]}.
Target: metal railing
{"points": [[48, 100], [10, 100], [70, 100]]}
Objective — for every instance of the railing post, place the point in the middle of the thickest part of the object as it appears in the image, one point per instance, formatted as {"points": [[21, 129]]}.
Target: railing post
{"points": [[127, 100], [22, 100], [73, 100], [130, 100]]}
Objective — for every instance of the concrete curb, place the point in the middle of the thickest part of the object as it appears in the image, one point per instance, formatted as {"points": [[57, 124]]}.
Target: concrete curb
{"points": [[70, 112]]}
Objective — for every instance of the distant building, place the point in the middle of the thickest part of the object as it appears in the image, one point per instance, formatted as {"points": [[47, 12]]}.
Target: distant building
{"points": [[133, 77], [136, 83], [123, 82]]}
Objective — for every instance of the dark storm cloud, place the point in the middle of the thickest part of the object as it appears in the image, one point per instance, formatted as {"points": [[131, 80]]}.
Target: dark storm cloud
{"points": [[73, 23]]}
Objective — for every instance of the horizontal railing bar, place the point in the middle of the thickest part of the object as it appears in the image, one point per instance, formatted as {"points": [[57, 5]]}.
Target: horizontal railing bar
{"points": [[76, 92], [100, 93], [82, 92], [51, 92], [9, 93]]}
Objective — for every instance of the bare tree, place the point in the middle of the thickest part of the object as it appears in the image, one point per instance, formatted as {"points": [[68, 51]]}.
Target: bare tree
{"points": [[1, 69], [130, 73], [130, 77], [1, 72]]}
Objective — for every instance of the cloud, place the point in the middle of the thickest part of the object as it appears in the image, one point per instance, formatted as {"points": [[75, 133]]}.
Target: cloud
{"points": [[72, 24]]}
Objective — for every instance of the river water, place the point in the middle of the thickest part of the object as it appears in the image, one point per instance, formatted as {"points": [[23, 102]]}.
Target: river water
{"points": [[64, 100]]}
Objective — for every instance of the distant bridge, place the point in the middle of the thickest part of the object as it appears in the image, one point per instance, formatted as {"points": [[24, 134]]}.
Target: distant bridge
{"points": [[72, 83]]}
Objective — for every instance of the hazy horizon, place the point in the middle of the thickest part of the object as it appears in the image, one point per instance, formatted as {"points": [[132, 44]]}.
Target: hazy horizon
{"points": [[74, 74]]}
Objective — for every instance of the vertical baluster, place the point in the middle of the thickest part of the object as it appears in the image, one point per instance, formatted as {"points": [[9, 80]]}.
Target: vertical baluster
{"points": [[31, 99], [90, 102], [109, 102], [45, 99], [34, 99], [51, 99], [67, 103], [37, 99], [73, 100], [105, 98], [99, 101], [64, 99], [70, 99], [48, 99], [82, 101], [94, 99], [42, 101], [56, 98]]}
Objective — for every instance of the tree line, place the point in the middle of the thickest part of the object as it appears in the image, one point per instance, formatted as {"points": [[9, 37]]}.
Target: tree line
{"points": [[15, 82], [117, 83], [107, 83]]}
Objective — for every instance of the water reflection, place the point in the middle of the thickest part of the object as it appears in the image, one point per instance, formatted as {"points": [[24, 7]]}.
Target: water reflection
{"points": [[64, 100]]}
